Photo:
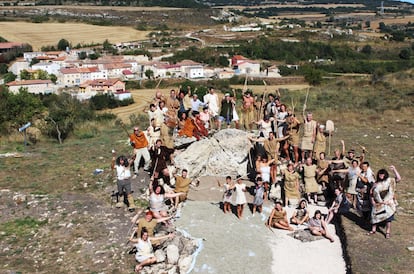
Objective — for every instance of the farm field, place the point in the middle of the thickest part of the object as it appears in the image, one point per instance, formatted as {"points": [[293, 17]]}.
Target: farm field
{"points": [[39, 35]]}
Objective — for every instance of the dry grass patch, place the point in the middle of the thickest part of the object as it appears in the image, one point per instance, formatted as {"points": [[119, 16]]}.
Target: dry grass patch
{"points": [[39, 35]]}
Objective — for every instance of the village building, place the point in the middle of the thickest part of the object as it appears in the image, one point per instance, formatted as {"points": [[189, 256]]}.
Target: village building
{"points": [[75, 76], [242, 65], [10, 47], [32, 86], [101, 86]]}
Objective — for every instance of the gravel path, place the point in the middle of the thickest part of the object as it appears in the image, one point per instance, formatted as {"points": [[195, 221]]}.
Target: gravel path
{"points": [[247, 246]]}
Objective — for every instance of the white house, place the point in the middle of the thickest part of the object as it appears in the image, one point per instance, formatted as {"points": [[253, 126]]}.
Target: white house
{"points": [[49, 67], [18, 66], [115, 69], [242, 65], [33, 86], [190, 69], [122, 95]]}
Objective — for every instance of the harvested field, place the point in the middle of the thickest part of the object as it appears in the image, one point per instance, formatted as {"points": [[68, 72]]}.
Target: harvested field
{"points": [[39, 35], [391, 20], [327, 6], [100, 8]]}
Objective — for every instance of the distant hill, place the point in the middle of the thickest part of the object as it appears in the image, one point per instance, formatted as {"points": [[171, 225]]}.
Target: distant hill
{"points": [[369, 4]]}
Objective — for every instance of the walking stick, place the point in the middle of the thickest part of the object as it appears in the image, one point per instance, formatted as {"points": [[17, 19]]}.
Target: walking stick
{"points": [[306, 101], [158, 84]]}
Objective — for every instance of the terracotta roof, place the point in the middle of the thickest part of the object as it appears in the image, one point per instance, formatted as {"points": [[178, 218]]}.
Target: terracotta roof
{"points": [[9, 45], [127, 72], [117, 66], [100, 82], [79, 70], [239, 57], [28, 82], [188, 63]]}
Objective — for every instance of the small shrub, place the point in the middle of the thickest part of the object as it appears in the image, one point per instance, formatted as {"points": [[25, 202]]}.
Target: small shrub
{"points": [[86, 130]]}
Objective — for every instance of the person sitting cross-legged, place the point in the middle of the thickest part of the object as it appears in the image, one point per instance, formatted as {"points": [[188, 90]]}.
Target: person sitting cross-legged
{"points": [[145, 253]]}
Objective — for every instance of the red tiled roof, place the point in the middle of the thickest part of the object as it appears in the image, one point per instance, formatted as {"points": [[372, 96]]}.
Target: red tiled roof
{"points": [[79, 70], [117, 66], [100, 82], [127, 72], [9, 45], [28, 82]]}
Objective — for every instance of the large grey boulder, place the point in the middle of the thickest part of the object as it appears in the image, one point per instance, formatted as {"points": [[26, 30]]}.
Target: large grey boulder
{"points": [[184, 264], [224, 153], [172, 254]]}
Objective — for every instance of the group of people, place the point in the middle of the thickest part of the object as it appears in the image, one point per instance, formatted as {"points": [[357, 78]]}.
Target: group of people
{"points": [[290, 165]]}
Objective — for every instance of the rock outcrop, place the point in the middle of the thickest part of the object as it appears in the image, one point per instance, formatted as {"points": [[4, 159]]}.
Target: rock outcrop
{"points": [[224, 153]]}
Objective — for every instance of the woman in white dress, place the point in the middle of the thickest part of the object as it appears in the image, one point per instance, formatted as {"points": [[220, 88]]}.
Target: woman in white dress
{"points": [[240, 196]]}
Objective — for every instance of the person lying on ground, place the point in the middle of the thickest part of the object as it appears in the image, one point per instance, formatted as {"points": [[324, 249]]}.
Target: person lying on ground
{"points": [[145, 253], [317, 226]]}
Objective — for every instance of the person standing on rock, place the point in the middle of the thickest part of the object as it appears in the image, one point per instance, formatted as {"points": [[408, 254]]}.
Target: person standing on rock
{"points": [[122, 165], [248, 107], [182, 185], [309, 177], [228, 194], [145, 254], [160, 155], [240, 188], [140, 144], [259, 196], [212, 101], [309, 135]]}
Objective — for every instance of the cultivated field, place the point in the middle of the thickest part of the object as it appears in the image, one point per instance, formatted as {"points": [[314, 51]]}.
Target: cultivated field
{"points": [[39, 35]]}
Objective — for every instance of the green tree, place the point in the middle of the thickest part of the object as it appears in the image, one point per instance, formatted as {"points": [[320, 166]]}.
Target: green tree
{"points": [[93, 56], [9, 77], [64, 112], [53, 78], [223, 61], [42, 74], [25, 75], [18, 109], [63, 44], [405, 54], [312, 76], [106, 45], [34, 61], [398, 36], [367, 49], [82, 55], [3, 68], [149, 73]]}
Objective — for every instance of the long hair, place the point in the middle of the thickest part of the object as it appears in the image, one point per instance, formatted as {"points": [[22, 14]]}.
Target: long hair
{"points": [[122, 157], [382, 171]]}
